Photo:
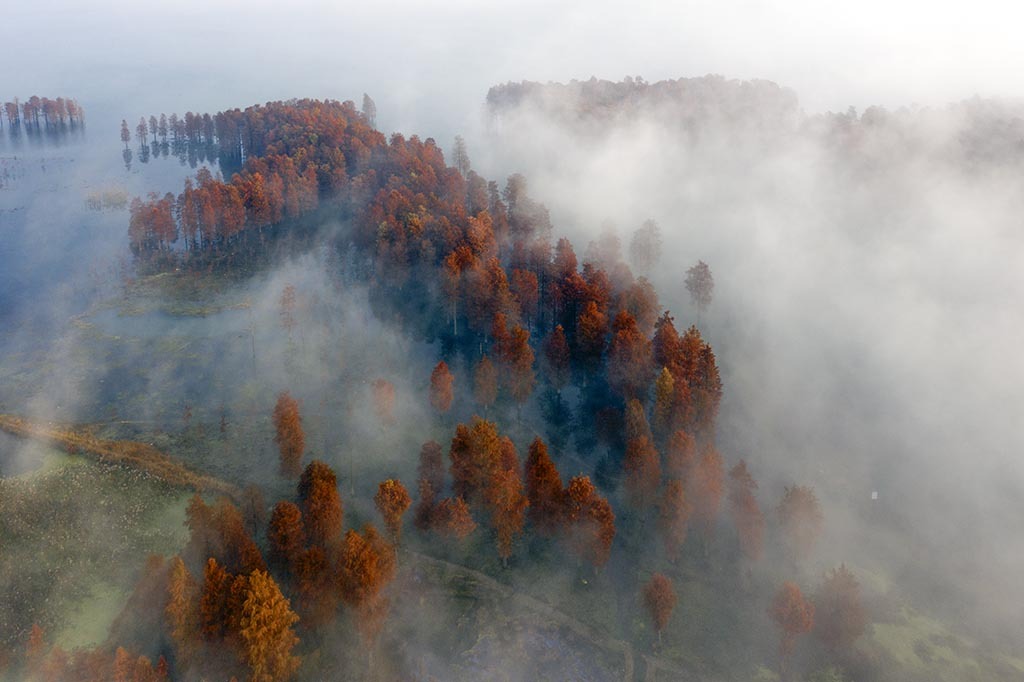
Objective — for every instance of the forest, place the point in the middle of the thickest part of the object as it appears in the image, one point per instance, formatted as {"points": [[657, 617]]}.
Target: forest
{"points": [[348, 409], [511, 342], [628, 493]]}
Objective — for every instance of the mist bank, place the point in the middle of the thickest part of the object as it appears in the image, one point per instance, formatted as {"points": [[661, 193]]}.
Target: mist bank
{"points": [[865, 313]]}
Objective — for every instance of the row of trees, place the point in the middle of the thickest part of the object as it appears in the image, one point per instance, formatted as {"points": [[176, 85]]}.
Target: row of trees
{"points": [[194, 128], [43, 113]]}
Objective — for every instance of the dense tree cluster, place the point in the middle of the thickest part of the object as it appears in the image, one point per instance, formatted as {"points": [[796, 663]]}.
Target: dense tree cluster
{"points": [[221, 596], [294, 153]]}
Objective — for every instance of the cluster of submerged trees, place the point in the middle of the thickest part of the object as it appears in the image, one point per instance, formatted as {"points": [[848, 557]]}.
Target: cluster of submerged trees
{"points": [[192, 138], [42, 113], [41, 119], [475, 266]]}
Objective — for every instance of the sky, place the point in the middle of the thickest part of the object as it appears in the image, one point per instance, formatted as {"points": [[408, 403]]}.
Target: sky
{"points": [[430, 62]]}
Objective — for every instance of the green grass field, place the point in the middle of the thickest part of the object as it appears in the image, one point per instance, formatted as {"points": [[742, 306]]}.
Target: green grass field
{"points": [[73, 536]]}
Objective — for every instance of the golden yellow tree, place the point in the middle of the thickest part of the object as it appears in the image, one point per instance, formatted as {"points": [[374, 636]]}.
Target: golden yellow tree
{"points": [[267, 634], [181, 611]]}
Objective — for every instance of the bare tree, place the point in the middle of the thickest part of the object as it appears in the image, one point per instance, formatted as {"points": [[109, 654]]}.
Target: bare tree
{"points": [[701, 285], [645, 249], [370, 110], [460, 156]]}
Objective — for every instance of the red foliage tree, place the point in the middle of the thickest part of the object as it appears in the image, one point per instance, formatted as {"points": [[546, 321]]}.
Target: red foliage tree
{"points": [[323, 515], [565, 262], [451, 518], [590, 522], [489, 295], [591, 329], [453, 279], [290, 438], [392, 500], [501, 343], [441, 387], [475, 458], [520, 367], [286, 535], [315, 585], [544, 491], [219, 531], [508, 509], [365, 567], [239, 553], [123, 666], [214, 605], [660, 600], [794, 615], [322, 509], [316, 470]]}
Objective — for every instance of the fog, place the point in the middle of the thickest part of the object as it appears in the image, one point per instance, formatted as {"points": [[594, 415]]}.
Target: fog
{"points": [[866, 310], [866, 315], [428, 63]]}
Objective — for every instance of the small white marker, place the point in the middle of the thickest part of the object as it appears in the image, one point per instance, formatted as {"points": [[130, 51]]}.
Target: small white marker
{"points": [[874, 494]]}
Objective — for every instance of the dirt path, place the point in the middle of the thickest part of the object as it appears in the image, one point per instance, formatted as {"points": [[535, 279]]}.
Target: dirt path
{"points": [[140, 456]]}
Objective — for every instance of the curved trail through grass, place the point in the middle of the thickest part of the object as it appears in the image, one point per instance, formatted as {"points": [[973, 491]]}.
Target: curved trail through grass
{"points": [[140, 456]]}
